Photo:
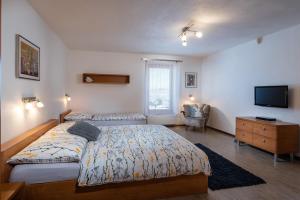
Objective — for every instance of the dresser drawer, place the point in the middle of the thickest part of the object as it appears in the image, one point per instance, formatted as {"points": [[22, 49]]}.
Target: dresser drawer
{"points": [[244, 136], [265, 143], [244, 125], [265, 130]]}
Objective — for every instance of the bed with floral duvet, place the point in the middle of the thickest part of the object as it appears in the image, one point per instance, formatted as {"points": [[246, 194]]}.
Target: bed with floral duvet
{"points": [[139, 152], [122, 153]]}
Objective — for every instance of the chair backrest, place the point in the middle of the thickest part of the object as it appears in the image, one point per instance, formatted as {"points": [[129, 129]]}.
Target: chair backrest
{"points": [[205, 112], [190, 109]]}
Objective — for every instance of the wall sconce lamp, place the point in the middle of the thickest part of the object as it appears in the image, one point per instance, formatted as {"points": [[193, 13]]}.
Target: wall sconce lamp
{"points": [[31, 102], [39, 104], [191, 97], [68, 98]]}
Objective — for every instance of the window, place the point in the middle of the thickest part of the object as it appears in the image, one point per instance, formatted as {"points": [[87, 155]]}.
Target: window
{"points": [[161, 91]]}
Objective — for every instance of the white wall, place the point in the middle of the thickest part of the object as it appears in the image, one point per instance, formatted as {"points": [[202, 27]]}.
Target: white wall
{"points": [[117, 98], [228, 78], [18, 17]]}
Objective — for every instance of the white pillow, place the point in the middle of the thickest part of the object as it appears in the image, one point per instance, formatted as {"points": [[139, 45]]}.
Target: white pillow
{"points": [[56, 146]]}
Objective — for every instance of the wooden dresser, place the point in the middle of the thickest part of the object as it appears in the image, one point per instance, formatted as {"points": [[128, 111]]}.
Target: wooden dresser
{"points": [[276, 137]]}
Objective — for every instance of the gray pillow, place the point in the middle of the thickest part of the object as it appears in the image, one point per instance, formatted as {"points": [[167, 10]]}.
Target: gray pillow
{"points": [[85, 130]]}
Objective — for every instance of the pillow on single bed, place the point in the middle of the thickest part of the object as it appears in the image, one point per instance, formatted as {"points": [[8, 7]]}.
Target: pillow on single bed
{"points": [[77, 116], [55, 146], [118, 116], [85, 130]]}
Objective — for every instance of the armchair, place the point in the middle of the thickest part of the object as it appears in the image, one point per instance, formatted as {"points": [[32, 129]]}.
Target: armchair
{"points": [[196, 115]]}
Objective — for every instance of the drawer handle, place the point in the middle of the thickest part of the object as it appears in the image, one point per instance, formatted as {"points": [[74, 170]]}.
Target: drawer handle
{"points": [[264, 129], [264, 141]]}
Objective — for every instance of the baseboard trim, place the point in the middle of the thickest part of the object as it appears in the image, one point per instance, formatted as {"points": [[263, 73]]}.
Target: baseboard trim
{"points": [[173, 125], [221, 131]]}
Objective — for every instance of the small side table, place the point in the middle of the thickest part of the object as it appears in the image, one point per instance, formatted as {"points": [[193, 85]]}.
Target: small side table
{"points": [[11, 191]]}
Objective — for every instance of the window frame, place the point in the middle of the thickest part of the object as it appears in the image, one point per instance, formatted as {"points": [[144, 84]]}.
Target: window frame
{"points": [[170, 110]]}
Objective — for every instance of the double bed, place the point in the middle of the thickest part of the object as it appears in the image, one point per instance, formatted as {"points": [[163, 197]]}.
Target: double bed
{"points": [[128, 161]]}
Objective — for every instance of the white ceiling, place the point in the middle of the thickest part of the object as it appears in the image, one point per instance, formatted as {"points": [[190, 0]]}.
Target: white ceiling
{"points": [[153, 26]]}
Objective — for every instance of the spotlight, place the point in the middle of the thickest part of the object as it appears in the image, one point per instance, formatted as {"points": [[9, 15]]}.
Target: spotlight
{"points": [[191, 97], [29, 106], [184, 37], [199, 34], [68, 98], [39, 104]]}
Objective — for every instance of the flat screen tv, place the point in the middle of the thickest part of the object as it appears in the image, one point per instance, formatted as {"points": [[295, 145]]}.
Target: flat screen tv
{"points": [[271, 96]]}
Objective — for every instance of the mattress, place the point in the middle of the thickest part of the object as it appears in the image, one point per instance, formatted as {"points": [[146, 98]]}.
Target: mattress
{"points": [[42, 173]]}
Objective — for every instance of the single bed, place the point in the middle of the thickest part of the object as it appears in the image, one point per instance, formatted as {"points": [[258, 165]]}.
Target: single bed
{"points": [[105, 119], [65, 185]]}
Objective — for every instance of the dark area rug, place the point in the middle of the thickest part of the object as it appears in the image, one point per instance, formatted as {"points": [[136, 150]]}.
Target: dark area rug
{"points": [[226, 174]]}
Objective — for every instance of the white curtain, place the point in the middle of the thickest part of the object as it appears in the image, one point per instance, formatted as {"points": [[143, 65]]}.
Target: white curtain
{"points": [[146, 110], [174, 85]]}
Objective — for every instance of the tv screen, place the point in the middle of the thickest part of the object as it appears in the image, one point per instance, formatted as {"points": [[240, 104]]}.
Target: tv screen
{"points": [[271, 96]]}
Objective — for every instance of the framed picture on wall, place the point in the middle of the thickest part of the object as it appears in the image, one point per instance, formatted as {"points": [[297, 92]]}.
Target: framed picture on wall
{"points": [[27, 59], [190, 79]]}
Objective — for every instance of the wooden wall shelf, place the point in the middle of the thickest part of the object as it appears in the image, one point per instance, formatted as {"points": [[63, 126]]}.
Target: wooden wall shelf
{"points": [[105, 78]]}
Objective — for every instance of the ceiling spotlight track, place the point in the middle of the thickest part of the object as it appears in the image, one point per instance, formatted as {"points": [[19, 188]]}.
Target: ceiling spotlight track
{"points": [[187, 30]]}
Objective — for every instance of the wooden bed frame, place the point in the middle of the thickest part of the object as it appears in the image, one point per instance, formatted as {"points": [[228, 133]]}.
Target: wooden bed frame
{"points": [[62, 116], [150, 189], [15, 145]]}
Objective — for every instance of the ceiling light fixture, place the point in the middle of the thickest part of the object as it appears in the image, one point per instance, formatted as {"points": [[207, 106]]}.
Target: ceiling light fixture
{"points": [[185, 31]]}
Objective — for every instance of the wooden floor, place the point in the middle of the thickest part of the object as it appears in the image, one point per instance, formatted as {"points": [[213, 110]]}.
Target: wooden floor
{"points": [[283, 181]]}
